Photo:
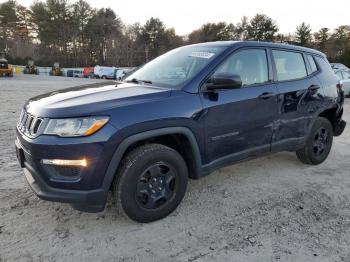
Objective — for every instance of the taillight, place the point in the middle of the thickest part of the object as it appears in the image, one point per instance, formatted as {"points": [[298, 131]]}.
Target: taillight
{"points": [[340, 86]]}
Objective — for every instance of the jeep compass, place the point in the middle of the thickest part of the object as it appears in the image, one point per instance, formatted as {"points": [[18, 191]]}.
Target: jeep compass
{"points": [[186, 113]]}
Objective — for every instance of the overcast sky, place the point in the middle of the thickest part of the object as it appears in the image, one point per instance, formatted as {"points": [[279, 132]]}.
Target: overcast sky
{"points": [[186, 15]]}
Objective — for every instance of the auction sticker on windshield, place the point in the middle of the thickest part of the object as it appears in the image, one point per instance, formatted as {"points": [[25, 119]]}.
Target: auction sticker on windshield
{"points": [[205, 55]]}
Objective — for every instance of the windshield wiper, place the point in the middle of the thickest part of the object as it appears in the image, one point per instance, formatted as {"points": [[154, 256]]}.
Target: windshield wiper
{"points": [[137, 81]]}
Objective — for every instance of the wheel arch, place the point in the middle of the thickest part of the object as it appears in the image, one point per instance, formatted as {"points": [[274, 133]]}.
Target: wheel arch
{"points": [[334, 116], [192, 157]]}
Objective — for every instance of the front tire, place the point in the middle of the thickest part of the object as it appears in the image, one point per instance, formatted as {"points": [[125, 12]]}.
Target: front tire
{"points": [[151, 182], [318, 143]]}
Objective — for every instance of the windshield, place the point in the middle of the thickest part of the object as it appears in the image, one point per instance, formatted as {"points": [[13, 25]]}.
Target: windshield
{"points": [[176, 67]]}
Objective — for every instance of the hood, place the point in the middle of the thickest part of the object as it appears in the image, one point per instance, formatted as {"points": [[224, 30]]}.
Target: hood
{"points": [[91, 99]]}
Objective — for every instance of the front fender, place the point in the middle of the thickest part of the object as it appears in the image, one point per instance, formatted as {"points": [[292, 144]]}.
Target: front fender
{"points": [[125, 144]]}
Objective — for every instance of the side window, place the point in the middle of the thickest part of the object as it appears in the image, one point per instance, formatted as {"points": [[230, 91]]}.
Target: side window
{"points": [[346, 75], [249, 64], [289, 65], [312, 63]]}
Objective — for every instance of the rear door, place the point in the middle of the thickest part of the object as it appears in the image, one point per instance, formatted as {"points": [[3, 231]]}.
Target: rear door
{"points": [[299, 96], [239, 121]]}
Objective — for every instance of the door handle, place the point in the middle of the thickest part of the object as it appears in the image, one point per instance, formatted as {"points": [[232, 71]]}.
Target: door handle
{"points": [[313, 87], [266, 95]]}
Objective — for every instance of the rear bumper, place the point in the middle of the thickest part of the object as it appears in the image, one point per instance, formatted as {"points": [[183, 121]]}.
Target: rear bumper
{"points": [[339, 127], [339, 124]]}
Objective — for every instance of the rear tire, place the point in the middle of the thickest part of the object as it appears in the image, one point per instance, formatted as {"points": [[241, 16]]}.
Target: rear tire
{"points": [[318, 143], [150, 183]]}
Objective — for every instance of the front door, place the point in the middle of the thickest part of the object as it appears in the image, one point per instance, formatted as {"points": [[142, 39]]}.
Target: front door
{"points": [[239, 122]]}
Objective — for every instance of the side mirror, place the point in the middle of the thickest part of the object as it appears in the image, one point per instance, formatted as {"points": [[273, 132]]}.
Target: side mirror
{"points": [[224, 81]]}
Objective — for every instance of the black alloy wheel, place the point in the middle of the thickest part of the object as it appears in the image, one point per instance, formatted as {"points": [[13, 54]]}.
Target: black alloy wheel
{"points": [[318, 143], [151, 182], [321, 141], [156, 185]]}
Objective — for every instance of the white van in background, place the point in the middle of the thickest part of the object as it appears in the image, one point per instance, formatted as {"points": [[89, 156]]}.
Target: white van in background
{"points": [[105, 72], [122, 71]]}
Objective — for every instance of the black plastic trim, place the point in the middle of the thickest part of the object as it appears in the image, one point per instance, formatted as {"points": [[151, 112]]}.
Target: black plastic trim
{"points": [[121, 149], [91, 198]]}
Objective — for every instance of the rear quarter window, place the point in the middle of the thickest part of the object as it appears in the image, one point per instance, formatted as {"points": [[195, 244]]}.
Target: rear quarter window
{"points": [[312, 63], [289, 65], [325, 66]]}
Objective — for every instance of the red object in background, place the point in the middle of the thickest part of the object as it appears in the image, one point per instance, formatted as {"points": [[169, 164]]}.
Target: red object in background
{"points": [[88, 71]]}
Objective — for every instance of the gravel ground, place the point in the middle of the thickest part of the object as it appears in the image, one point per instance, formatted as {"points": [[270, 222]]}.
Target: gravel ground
{"points": [[269, 209]]}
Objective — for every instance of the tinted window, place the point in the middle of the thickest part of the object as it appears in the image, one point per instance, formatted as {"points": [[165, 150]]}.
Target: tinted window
{"points": [[289, 65], [250, 65], [312, 63]]}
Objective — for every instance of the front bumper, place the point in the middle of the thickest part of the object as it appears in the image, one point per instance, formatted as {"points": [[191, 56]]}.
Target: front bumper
{"points": [[85, 190], [86, 201], [83, 200]]}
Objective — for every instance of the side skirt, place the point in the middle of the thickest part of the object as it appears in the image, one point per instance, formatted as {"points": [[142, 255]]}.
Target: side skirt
{"points": [[290, 145]]}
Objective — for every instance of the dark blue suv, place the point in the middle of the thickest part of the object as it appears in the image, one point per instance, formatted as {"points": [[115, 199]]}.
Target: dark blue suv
{"points": [[184, 114]]}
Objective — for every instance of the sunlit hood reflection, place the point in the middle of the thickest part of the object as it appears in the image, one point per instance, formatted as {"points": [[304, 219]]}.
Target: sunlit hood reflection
{"points": [[92, 98]]}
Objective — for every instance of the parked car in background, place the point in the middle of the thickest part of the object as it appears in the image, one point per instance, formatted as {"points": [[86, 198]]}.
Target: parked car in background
{"points": [[69, 73], [78, 73], [128, 71], [88, 72], [122, 72], [105, 72], [344, 76], [183, 115], [339, 66], [119, 73]]}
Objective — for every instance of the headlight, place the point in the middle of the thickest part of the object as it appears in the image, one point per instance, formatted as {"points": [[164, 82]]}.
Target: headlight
{"points": [[82, 126]]}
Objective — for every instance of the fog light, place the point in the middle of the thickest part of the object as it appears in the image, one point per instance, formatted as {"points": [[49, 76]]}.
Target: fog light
{"points": [[65, 162]]}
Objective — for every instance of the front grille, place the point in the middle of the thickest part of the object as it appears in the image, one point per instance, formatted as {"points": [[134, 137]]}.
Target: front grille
{"points": [[29, 124], [68, 171]]}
